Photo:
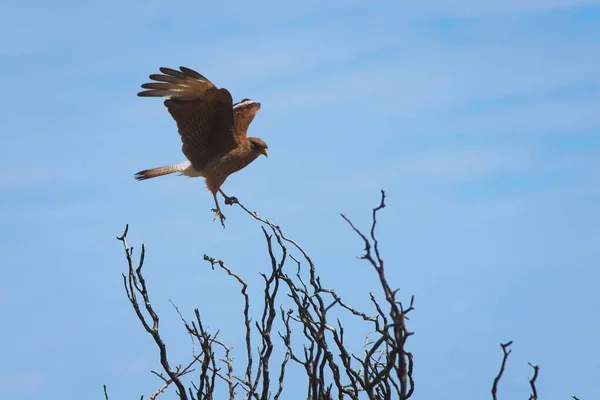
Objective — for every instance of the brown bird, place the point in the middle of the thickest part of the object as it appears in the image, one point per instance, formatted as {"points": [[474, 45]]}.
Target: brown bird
{"points": [[213, 129]]}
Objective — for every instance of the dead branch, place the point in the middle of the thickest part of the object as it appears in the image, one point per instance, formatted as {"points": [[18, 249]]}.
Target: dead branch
{"points": [[506, 352], [247, 319], [135, 284], [310, 335], [384, 371], [397, 359], [532, 381]]}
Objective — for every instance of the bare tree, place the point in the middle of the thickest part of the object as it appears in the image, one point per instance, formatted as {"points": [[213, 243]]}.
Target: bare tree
{"points": [[382, 371], [307, 332]]}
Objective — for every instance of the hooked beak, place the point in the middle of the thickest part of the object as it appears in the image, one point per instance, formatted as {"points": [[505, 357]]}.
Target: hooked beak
{"points": [[266, 153]]}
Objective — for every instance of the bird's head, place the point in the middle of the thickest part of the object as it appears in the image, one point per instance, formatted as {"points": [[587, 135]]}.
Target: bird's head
{"points": [[246, 109], [259, 146]]}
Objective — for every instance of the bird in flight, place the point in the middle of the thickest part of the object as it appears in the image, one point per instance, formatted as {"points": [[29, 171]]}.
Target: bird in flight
{"points": [[213, 130]]}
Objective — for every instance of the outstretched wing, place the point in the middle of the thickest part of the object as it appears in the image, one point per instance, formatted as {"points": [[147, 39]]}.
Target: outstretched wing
{"points": [[186, 84], [243, 114], [203, 113]]}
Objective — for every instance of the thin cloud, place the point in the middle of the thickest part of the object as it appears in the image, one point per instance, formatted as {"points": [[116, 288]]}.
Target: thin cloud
{"points": [[25, 383], [469, 9], [466, 164]]}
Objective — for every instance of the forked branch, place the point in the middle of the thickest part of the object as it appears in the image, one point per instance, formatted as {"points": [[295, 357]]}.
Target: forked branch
{"points": [[506, 352], [310, 337]]}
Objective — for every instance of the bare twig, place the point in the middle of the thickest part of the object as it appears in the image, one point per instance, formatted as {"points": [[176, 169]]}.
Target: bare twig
{"points": [[506, 351], [397, 359], [159, 390], [135, 283], [532, 380], [247, 320]]}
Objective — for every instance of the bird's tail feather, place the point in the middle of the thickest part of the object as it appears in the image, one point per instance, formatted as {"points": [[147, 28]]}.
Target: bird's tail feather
{"points": [[160, 171]]}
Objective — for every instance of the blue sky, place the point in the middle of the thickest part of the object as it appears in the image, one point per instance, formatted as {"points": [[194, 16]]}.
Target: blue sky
{"points": [[481, 120]]}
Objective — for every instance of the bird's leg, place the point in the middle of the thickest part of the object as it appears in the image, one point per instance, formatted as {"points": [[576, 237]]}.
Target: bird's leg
{"points": [[228, 200], [217, 211]]}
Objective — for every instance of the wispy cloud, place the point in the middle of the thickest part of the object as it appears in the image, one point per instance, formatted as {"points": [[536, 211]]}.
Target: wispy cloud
{"points": [[568, 115], [424, 77], [482, 8], [465, 164], [479, 118], [27, 384]]}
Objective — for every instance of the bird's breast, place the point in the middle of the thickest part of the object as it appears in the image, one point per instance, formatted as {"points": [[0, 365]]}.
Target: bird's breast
{"points": [[231, 162]]}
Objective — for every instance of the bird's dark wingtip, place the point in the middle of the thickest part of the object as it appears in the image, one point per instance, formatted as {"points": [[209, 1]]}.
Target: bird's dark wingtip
{"points": [[140, 176]]}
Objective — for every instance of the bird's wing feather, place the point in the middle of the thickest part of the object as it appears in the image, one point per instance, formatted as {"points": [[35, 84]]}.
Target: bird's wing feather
{"points": [[185, 84], [241, 119], [203, 112], [205, 125]]}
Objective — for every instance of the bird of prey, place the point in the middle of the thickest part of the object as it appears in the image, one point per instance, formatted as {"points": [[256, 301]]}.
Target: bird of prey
{"points": [[212, 129]]}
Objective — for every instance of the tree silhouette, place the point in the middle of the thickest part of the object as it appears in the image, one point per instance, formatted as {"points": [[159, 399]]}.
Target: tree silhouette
{"points": [[309, 333]]}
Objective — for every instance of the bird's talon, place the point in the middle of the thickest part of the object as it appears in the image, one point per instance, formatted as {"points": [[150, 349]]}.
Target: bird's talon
{"points": [[219, 214], [231, 200]]}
